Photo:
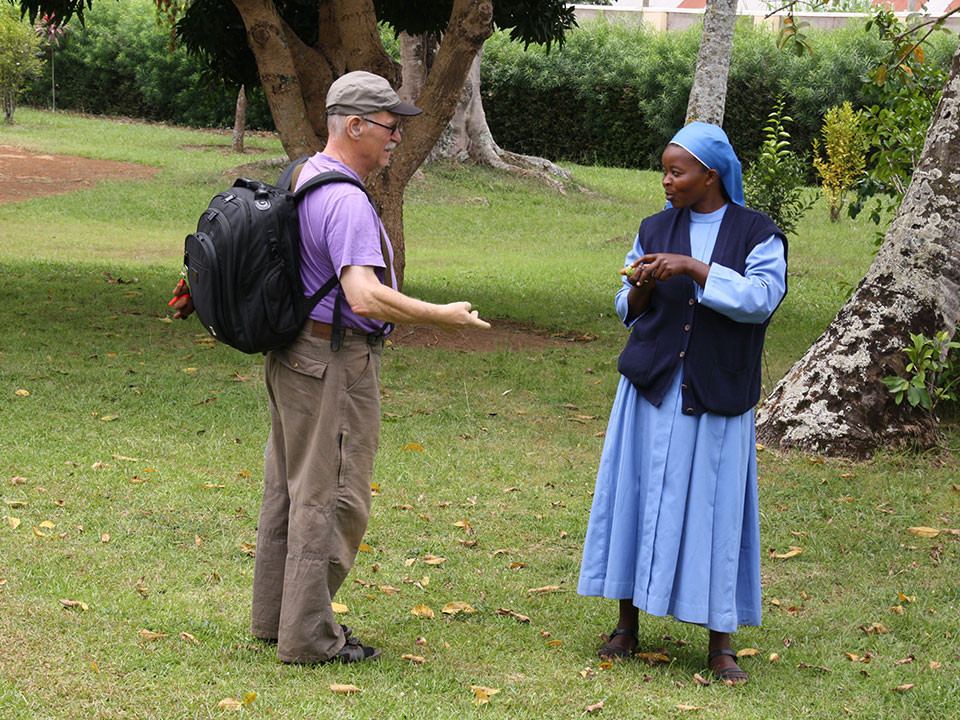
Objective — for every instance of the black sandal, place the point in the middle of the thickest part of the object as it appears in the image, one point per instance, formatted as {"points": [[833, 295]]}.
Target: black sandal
{"points": [[353, 652], [732, 676], [615, 652]]}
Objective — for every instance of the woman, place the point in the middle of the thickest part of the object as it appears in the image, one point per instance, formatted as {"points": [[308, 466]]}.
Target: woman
{"points": [[674, 528]]}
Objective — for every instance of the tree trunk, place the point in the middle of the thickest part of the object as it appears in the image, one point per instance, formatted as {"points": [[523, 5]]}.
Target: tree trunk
{"points": [[240, 121], [467, 136], [832, 400], [709, 92]]}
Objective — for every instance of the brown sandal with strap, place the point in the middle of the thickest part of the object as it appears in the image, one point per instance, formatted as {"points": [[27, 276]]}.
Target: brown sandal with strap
{"points": [[615, 652], [731, 676]]}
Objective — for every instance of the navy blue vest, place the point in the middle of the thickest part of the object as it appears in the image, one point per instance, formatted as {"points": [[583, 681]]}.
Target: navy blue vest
{"points": [[721, 357]]}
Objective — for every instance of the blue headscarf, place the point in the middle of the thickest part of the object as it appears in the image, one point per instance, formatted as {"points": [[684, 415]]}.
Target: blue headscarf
{"points": [[709, 144]]}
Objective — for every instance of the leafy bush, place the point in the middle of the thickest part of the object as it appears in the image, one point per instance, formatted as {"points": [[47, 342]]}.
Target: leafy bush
{"points": [[120, 63], [773, 183], [844, 147], [19, 47], [932, 374], [614, 94]]}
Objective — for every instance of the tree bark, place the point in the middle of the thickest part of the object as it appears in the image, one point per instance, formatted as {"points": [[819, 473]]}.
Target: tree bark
{"points": [[832, 400], [708, 94], [471, 23], [240, 121], [278, 74]]}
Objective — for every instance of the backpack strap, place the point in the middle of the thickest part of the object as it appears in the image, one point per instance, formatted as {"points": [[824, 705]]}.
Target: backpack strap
{"points": [[291, 173], [315, 182]]}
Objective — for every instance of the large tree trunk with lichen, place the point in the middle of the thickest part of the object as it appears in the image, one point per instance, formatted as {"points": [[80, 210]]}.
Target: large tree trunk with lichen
{"points": [[833, 400], [295, 79], [708, 95], [467, 137]]}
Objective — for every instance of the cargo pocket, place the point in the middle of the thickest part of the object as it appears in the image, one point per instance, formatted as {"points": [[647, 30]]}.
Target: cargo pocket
{"points": [[296, 381]]}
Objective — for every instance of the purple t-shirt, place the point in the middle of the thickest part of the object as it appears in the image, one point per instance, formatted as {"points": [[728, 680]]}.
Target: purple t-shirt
{"points": [[338, 227]]}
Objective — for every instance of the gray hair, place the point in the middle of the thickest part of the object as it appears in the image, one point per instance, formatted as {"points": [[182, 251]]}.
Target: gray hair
{"points": [[337, 124]]}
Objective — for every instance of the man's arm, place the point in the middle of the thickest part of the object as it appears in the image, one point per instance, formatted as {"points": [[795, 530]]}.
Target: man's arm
{"points": [[370, 298]]}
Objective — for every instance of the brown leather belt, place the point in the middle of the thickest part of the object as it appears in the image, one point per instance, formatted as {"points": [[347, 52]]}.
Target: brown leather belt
{"points": [[325, 331]]}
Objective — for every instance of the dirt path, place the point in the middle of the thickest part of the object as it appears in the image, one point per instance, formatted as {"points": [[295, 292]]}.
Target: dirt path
{"points": [[25, 174]]}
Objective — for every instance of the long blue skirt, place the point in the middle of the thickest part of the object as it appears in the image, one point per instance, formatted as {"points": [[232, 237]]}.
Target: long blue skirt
{"points": [[675, 520]]}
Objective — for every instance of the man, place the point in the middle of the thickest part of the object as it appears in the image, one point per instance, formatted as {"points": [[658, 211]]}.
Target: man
{"points": [[325, 402]]}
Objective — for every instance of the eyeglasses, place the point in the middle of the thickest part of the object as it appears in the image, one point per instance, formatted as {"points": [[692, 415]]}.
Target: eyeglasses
{"points": [[392, 128]]}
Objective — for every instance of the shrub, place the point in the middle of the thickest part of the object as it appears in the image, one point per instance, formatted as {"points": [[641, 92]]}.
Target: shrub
{"points": [[773, 183], [19, 61], [844, 146]]}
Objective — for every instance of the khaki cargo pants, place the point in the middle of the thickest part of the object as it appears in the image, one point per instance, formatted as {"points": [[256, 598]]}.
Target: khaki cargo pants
{"points": [[324, 431]]}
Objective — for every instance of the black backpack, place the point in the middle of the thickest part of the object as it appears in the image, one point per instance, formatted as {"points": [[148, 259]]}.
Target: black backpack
{"points": [[243, 263]]}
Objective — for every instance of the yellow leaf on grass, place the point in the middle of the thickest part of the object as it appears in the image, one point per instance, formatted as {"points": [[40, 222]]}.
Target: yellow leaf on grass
{"points": [[652, 658], [230, 704], [13, 522], [898, 609], [344, 689], [409, 562], [433, 560], [425, 580], [388, 589], [774, 657], [906, 598], [74, 604], [124, 457], [423, 611], [249, 549], [462, 524], [792, 552], [39, 533], [413, 446], [924, 532], [48, 525], [905, 687], [108, 418], [339, 608], [415, 659], [544, 590], [852, 657], [104, 538], [189, 638], [747, 652], [934, 665], [453, 608], [700, 679], [249, 698], [594, 707], [22, 393], [483, 694], [150, 635], [365, 548], [15, 503], [686, 708], [190, 370]]}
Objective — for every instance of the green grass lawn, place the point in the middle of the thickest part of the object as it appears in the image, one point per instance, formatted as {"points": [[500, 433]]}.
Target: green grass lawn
{"points": [[142, 445]]}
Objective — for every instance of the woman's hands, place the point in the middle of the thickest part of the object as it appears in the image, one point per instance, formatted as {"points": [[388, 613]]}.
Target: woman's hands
{"points": [[663, 266]]}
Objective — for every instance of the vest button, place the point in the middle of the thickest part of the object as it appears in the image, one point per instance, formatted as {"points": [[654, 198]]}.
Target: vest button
{"points": [[689, 411], [683, 387], [690, 301], [682, 353], [687, 328]]}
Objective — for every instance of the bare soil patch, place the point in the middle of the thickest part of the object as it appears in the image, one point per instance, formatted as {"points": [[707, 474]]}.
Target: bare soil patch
{"points": [[502, 335], [25, 174]]}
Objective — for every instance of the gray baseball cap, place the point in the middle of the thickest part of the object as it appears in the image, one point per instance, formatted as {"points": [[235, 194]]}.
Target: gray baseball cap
{"points": [[360, 92]]}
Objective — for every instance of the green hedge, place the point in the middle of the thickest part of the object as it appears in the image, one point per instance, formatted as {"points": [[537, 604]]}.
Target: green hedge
{"points": [[120, 63], [615, 94]]}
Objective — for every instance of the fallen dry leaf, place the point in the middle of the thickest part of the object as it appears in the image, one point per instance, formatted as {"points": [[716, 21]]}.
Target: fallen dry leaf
{"points": [[906, 598], [230, 704], [189, 638], [22, 393], [344, 689], [414, 446], [483, 694], [415, 659], [700, 679], [511, 613], [249, 697], [774, 657], [423, 611], [594, 707], [898, 609], [652, 658], [13, 522], [388, 589], [104, 538], [686, 708], [249, 549], [364, 548], [409, 562], [434, 560], [874, 628], [934, 665], [747, 652], [924, 532], [339, 608], [905, 687], [545, 589], [905, 661], [150, 635], [793, 552], [802, 666], [74, 603], [452, 608]]}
